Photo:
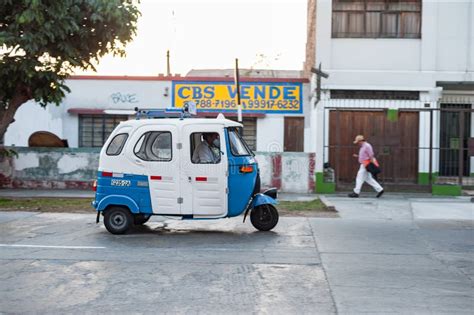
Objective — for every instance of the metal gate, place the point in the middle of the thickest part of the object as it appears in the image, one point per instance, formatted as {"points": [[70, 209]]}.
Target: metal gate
{"points": [[416, 146]]}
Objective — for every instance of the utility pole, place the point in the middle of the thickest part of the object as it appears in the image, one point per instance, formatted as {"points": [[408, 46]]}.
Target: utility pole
{"points": [[319, 73], [237, 89], [168, 68]]}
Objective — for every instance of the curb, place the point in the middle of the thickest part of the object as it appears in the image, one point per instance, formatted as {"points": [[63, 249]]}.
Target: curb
{"points": [[327, 203], [31, 193]]}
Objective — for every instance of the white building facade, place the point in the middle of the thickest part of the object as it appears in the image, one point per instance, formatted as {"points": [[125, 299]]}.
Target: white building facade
{"points": [[394, 67], [275, 109]]}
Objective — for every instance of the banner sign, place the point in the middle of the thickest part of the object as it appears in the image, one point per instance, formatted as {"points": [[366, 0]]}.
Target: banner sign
{"points": [[261, 97]]}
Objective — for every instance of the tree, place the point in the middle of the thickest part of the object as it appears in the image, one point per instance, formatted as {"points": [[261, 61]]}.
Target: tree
{"points": [[42, 42]]}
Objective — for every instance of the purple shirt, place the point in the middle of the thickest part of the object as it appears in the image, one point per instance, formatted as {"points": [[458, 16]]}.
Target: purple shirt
{"points": [[365, 152]]}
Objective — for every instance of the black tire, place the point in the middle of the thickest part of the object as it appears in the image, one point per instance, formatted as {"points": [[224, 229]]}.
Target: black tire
{"points": [[139, 219], [117, 220], [264, 217]]}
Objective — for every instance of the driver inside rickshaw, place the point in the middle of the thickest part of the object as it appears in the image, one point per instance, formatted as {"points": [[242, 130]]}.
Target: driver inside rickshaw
{"points": [[208, 151]]}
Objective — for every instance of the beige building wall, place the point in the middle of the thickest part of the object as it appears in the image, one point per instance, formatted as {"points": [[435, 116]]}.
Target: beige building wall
{"points": [[310, 58]]}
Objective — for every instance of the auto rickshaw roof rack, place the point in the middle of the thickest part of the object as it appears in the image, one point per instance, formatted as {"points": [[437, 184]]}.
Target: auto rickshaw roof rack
{"points": [[147, 113], [187, 111]]}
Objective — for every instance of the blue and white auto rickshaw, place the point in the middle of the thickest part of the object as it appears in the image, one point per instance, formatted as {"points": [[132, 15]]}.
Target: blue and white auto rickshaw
{"points": [[169, 167]]}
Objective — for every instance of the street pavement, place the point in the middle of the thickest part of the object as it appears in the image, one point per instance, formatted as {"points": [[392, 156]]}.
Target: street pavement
{"points": [[388, 255], [395, 255], [65, 263]]}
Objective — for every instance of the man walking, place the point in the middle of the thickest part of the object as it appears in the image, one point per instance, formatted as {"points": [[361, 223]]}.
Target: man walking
{"points": [[365, 156]]}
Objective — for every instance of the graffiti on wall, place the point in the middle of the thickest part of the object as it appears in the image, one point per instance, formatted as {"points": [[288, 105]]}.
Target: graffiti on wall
{"points": [[124, 98]]}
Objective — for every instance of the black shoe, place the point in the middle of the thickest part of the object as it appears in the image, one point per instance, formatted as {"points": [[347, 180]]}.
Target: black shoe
{"points": [[353, 195], [380, 193]]}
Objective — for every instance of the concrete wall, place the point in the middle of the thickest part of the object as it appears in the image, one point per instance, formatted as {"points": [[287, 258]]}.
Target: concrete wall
{"points": [[60, 168], [287, 171], [31, 117], [77, 168], [270, 134]]}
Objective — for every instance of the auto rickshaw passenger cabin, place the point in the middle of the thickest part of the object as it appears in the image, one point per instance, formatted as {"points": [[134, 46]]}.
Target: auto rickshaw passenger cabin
{"points": [[193, 168]]}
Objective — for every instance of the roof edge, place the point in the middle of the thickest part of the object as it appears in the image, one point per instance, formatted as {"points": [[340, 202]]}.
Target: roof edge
{"points": [[183, 79]]}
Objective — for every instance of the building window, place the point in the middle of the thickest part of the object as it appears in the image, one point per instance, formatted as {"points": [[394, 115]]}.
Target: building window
{"points": [[376, 19], [95, 129], [375, 95]]}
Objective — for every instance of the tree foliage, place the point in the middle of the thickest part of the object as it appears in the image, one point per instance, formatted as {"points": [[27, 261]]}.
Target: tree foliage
{"points": [[42, 42]]}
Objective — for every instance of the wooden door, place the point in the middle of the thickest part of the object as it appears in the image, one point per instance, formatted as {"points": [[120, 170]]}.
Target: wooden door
{"points": [[294, 134], [395, 143]]}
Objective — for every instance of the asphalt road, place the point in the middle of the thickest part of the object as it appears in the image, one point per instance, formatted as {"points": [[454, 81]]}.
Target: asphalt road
{"points": [[65, 263], [72, 265]]}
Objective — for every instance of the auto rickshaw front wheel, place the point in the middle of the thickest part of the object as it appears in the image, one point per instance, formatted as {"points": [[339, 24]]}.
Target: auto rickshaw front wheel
{"points": [[264, 217], [117, 220]]}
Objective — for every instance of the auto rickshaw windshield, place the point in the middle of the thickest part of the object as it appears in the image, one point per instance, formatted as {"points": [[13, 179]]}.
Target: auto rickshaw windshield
{"points": [[238, 146]]}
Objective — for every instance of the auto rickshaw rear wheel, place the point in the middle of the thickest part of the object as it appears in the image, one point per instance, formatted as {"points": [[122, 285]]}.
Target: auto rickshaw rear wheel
{"points": [[117, 220], [139, 219], [264, 217]]}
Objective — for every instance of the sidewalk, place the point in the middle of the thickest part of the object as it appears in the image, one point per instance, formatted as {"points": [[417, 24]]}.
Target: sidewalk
{"points": [[402, 207], [392, 206]]}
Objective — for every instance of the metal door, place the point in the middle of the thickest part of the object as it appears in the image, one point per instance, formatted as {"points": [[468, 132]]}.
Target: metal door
{"points": [[453, 146]]}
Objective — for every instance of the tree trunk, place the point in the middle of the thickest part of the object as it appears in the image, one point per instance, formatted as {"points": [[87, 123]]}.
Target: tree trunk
{"points": [[7, 115]]}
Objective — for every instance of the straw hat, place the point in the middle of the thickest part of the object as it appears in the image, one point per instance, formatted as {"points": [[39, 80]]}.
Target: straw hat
{"points": [[359, 138]]}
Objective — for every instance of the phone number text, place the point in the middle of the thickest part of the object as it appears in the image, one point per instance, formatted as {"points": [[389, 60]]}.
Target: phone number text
{"points": [[249, 104]]}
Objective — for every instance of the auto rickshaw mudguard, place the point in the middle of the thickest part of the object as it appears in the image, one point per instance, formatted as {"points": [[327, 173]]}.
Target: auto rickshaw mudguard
{"points": [[262, 199], [118, 200], [258, 200]]}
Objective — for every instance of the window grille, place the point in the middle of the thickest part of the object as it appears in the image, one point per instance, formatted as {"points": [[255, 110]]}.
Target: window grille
{"points": [[375, 95], [95, 129]]}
